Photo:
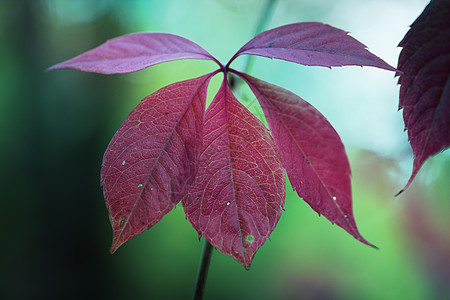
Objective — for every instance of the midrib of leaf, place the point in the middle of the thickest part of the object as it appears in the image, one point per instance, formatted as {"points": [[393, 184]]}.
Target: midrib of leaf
{"points": [[435, 113], [303, 40], [265, 161], [234, 190], [314, 170], [440, 102], [310, 50], [225, 89]]}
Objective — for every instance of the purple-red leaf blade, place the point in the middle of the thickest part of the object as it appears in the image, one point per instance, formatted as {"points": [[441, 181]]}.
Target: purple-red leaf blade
{"points": [[425, 83], [152, 157], [311, 151], [238, 194], [134, 52], [312, 44]]}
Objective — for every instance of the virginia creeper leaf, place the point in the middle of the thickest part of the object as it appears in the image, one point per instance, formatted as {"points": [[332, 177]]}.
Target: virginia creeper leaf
{"points": [[238, 194], [425, 83], [311, 151], [312, 44], [134, 52], [152, 157], [228, 171]]}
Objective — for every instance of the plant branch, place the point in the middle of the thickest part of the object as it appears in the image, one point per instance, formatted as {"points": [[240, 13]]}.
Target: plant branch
{"points": [[203, 271], [263, 20]]}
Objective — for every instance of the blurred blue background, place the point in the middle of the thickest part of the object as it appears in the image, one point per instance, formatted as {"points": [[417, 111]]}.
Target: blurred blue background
{"points": [[55, 126]]}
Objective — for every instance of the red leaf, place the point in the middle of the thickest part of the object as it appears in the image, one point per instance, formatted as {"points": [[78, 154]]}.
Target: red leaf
{"points": [[311, 151], [134, 52], [153, 156], [238, 194], [312, 44], [425, 83]]}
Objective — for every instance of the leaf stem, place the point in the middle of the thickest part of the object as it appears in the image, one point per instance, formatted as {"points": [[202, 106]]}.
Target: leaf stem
{"points": [[203, 271], [263, 20]]}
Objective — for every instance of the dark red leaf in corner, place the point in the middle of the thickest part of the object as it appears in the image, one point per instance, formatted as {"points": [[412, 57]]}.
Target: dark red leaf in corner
{"points": [[312, 44], [238, 194], [311, 151], [425, 83], [152, 157], [134, 52]]}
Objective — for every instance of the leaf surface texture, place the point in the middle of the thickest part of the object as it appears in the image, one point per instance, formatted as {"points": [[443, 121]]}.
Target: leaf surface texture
{"points": [[312, 44], [425, 83], [134, 52], [311, 151], [237, 197], [152, 157]]}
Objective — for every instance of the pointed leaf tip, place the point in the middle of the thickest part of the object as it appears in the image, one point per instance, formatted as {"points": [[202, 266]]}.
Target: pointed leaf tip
{"points": [[401, 191], [374, 247], [237, 197], [425, 84], [134, 52], [312, 44]]}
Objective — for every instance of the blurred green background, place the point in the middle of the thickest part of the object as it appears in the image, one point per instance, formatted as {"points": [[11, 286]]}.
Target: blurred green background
{"points": [[55, 126]]}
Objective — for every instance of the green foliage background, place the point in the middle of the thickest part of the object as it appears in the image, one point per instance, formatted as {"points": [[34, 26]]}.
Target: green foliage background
{"points": [[55, 126]]}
